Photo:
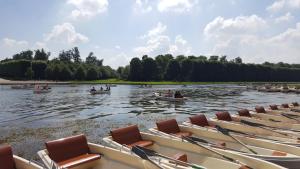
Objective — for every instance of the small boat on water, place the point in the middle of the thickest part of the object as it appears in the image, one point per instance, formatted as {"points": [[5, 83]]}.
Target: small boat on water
{"points": [[210, 158], [10, 161], [158, 96], [75, 152], [93, 92], [218, 140]]}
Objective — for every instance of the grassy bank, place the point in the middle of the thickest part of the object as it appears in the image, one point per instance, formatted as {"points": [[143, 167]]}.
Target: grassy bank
{"points": [[117, 81]]}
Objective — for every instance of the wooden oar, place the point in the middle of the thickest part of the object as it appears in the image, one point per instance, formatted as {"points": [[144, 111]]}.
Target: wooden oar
{"points": [[144, 156], [262, 127], [154, 153], [289, 116], [226, 132], [216, 152]]}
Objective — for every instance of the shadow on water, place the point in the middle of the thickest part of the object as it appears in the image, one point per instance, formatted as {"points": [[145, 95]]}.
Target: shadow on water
{"points": [[27, 120]]}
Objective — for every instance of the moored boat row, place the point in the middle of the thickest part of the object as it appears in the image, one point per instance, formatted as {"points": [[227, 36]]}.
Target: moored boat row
{"points": [[238, 141]]}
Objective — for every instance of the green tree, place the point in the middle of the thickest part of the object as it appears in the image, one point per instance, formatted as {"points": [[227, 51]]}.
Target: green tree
{"points": [[41, 55], [76, 55], [238, 60], [65, 56], [29, 73], [80, 73], [136, 69], [65, 73], [92, 60], [149, 69], [26, 55], [213, 58], [173, 70], [92, 74]]}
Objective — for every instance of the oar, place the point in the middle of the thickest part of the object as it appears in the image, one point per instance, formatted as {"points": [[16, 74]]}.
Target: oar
{"points": [[262, 127], [226, 132], [150, 152], [289, 116], [216, 152], [144, 156]]}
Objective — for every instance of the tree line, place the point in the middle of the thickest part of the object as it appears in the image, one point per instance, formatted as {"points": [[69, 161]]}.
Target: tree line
{"points": [[67, 66], [202, 68]]}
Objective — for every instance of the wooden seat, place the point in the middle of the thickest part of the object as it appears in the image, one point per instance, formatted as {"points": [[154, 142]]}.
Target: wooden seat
{"points": [[130, 136], [6, 157], [244, 112], [71, 151], [199, 120], [260, 109], [285, 105], [171, 127], [225, 116], [274, 107]]}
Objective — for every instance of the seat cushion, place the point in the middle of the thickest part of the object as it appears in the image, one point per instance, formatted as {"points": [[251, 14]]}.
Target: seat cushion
{"points": [[168, 126], [73, 162], [260, 109], [6, 157], [127, 135], [285, 105], [67, 148], [199, 120], [183, 133], [295, 104], [273, 107], [225, 116], [244, 112], [143, 143]]}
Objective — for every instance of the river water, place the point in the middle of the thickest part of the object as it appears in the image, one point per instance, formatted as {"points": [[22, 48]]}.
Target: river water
{"points": [[27, 120]]}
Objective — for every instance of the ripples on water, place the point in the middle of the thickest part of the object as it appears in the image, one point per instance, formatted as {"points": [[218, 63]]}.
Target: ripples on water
{"points": [[29, 119]]}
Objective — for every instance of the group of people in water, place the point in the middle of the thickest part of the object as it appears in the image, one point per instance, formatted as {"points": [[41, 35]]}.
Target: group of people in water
{"points": [[42, 87]]}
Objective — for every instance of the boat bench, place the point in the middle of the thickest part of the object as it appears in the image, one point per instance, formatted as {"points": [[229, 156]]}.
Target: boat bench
{"points": [[6, 158], [130, 136], [71, 152], [171, 127]]}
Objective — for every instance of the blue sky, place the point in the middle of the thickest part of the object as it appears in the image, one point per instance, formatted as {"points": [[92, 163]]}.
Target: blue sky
{"points": [[118, 30]]}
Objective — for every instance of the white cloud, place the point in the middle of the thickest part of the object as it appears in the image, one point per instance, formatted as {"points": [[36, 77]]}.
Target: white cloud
{"points": [[142, 6], [285, 18], [115, 61], [239, 25], [251, 45], [87, 8], [158, 43], [176, 5], [65, 33], [283, 4], [117, 47], [12, 43]]}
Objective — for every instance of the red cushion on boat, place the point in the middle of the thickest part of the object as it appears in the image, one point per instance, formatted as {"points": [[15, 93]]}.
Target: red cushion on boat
{"points": [[285, 105], [127, 135], [273, 107], [260, 109], [168, 126], [295, 104], [143, 143], [67, 148], [244, 112], [6, 157], [199, 120], [73, 162], [180, 157], [225, 116]]}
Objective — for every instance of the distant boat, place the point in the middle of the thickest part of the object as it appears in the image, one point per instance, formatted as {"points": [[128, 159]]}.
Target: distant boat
{"points": [[99, 92], [25, 86]]}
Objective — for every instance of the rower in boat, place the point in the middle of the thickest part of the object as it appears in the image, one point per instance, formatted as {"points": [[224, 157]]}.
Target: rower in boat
{"points": [[76, 153], [248, 146], [10, 161], [174, 148]]}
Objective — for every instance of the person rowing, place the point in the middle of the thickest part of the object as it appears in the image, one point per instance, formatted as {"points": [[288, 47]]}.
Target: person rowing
{"points": [[169, 94], [93, 89]]}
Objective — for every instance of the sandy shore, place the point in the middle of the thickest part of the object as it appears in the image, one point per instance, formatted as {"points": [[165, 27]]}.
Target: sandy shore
{"points": [[15, 82]]}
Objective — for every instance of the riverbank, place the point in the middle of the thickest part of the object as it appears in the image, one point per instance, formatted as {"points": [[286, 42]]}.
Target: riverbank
{"points": [[17, 82]]}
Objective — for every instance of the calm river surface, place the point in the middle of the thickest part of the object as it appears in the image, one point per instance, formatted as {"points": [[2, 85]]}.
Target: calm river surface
{"points": [[27, 120]]}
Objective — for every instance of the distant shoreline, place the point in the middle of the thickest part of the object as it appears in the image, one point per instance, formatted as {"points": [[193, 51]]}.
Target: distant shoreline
{"points": [[124, 82]]}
